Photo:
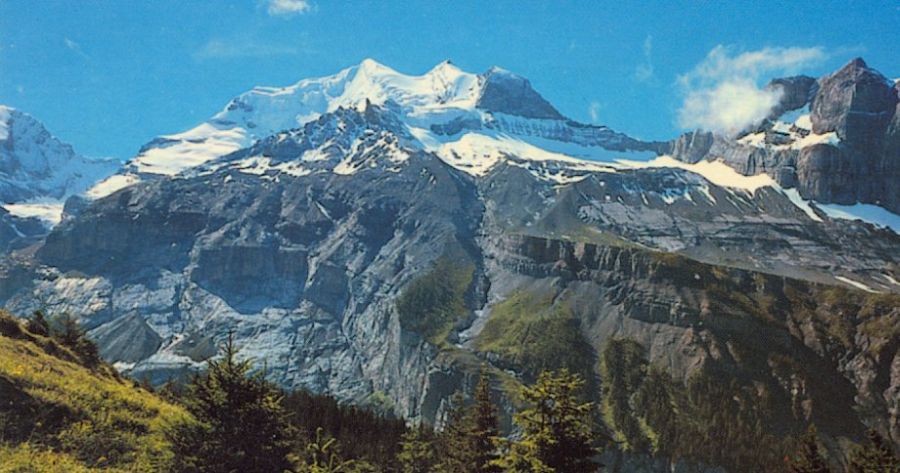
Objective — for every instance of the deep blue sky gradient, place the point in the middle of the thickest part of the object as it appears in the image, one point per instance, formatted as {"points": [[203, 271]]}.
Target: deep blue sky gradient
{"points": [[109, 76]]}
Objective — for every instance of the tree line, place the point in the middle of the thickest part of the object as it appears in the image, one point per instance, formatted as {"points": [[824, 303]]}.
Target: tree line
{"points": [[243, 423]]}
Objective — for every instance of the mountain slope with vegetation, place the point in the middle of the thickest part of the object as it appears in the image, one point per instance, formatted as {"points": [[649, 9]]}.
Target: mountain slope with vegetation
{"points": [[62, 412]]}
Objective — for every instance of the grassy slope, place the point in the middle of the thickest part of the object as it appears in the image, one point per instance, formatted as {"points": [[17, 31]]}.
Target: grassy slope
{"points": [[60, 416], [534, 332], [435, 301]]}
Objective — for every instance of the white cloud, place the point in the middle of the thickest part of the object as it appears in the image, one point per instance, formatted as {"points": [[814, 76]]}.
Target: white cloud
{"points": [[242, 48], [72, 45], [723, 93], [594, 111], [288, 7], [644, 71]]}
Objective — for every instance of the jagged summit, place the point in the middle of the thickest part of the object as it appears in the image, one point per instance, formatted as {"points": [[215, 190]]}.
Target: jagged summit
{"points": [[512, 94], [34, 164], [857, 62], [447, 110], [836, 139]]}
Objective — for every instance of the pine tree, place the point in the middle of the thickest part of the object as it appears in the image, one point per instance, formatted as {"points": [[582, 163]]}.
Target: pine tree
{"points": [[467, 442], [808, 459], [240, 424], [417, 451], [66, 330], [486, 428], [323, 455], [556, 429], [876, 457], [455, 442]]}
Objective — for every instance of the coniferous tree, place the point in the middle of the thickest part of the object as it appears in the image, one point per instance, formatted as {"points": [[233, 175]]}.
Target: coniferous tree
{"points": [[486, 428], [417, 451], [66, 330], [323, 455], [455, 442], [876, 457], [808, 459], [556, 429], [240, 424], [467, 444]]}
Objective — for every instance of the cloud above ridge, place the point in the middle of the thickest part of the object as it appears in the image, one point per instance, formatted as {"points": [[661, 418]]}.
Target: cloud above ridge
{"points": [[723, 94]]}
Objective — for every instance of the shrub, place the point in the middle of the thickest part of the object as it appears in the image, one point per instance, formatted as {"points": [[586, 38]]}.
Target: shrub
{"points": [[38, 324], [10, 325], [69, 333]]}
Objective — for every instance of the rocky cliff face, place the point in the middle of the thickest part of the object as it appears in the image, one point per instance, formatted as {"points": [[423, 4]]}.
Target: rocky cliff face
{"points": [[772, 336], [844, 151]]}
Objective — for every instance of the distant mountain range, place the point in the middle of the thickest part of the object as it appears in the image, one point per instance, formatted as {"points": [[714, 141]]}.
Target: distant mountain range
{"points": [[37, 173], [382, 237]]}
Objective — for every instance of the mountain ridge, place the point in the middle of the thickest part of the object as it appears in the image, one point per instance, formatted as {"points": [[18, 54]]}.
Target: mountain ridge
{"points": [[370, 252]]}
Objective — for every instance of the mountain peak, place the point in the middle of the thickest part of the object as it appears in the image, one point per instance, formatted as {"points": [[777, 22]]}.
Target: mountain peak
{"points": [[512, 94], [857, 62], [370, 65], [440, 105], [445, 67], [34, 164]]}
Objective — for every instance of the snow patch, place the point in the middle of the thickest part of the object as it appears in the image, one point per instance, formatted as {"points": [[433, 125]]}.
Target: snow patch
{"points": [[715, 172], [804, 121], [478, 153], [830, 138], [873, 214], [801, 203], [192, 148], [855, 284], [111, 184], [797, 141], [48, 211]]}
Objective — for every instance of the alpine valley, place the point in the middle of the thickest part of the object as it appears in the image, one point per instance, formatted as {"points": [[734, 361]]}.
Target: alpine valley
{"points": [[383, 238]]}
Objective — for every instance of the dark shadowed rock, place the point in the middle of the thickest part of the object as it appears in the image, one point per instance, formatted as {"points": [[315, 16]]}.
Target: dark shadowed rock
{"points": [[856, 102], [796, 92], [855, 156], [693, 146], [512, 94]]}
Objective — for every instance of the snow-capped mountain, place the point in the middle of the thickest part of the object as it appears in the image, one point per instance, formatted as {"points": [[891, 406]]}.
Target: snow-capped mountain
{"points": [[299, 217], [37, 171], [468, 119], [475, 121]]}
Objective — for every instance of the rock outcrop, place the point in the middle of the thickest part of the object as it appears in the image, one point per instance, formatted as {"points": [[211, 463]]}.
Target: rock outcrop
{"points": [[845, 151]]}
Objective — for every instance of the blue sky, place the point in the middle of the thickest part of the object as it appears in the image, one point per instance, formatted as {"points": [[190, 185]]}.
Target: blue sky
{"points": [[109, 76]]}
